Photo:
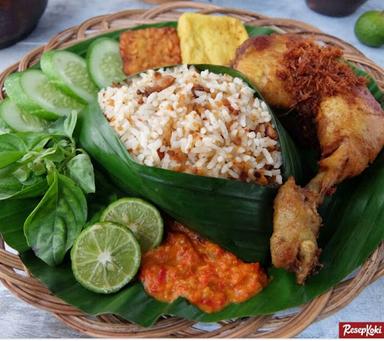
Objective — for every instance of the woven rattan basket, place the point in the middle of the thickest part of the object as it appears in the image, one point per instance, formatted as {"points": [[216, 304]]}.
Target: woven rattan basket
{"points": [[14, 276]]}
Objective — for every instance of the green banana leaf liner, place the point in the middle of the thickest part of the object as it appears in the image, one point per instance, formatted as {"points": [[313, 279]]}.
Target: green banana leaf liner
{"points": [[210, 206], [353, 228]]}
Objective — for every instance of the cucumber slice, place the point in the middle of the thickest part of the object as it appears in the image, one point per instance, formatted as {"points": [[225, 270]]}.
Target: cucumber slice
{"points": [[33, 93], [104, 62], [69, 72], [18, 120], [13, 89]]}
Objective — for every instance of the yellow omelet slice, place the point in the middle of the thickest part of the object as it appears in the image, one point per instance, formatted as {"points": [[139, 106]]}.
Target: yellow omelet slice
{"points": [[208, 39]]}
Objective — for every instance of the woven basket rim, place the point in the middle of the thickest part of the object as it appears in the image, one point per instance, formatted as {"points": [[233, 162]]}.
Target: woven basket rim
{"points": [[16, 278]]}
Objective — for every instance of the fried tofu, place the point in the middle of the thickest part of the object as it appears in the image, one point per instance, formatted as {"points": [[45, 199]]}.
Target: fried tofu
{"points": [[208, 39], [149, 48]]}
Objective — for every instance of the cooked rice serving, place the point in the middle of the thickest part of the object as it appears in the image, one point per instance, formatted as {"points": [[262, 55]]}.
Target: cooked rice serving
{"points": [[195, 122]]}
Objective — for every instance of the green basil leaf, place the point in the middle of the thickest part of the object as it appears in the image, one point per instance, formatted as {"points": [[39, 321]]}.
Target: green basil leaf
{"points": [[12, 142], [4, 128], [12, 148], [22, 174], [58, 150], [38, 167], [12, 190], [33, 190], [64, 149], [70, 123], [80, 170], [54, 154], [34, 141], [64, 126], [11, 187], [58, 219], [8, 157], [43, 151]]}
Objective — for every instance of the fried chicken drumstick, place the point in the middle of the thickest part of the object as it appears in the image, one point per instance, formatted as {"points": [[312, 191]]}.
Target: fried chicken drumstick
{"points": [[293, 72]]}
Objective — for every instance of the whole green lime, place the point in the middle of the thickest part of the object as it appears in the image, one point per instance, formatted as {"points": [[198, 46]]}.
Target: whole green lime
{"points": [[369, 28]]}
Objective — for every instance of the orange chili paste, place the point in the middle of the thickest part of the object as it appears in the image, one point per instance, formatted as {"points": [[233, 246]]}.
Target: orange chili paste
{"points": [[200, 271]]}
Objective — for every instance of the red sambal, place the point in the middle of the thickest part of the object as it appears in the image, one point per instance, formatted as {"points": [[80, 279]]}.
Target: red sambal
{"points": [[200, 271]]}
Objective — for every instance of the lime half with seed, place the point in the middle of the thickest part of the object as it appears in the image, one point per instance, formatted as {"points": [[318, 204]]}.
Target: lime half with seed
{"points": [[105, 257], [143, 219]]}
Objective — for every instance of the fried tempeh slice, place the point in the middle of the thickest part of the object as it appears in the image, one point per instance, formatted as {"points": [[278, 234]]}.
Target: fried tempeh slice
{"points": [[149, 48]]}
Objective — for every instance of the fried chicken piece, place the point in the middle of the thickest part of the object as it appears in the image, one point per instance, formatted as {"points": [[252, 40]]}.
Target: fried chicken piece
{"points": [[149, 48], [293, 72], [350, 135], [295, 248], [259, 59]]}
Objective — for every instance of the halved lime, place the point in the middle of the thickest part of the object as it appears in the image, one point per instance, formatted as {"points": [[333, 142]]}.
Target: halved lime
{"points": [[105, 257], [143, 219]]}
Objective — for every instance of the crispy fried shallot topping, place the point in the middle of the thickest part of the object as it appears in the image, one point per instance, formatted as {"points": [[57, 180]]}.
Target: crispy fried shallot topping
{"points": [[312, 72], [161, 83], [198, 87]]}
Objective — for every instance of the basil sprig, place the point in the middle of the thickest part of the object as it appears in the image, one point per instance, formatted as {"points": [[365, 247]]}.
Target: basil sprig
{"points": [[48, 165]]}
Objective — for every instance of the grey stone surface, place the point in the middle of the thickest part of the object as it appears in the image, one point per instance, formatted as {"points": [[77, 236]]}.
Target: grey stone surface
{"points": [[20, 320]]}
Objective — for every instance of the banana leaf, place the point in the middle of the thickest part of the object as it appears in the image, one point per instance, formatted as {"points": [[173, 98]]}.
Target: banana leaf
{"points": [[371, 84], [254, 31], [13, 213], [355, 215], [354, 226], [210, 206]]}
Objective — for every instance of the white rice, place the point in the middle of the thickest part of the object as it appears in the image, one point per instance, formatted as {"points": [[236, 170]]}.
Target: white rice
{"points": [[202, 123]]}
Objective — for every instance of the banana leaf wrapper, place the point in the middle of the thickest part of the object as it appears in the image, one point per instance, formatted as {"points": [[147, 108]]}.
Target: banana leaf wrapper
{"points": [[210, 206], [353, 228]]}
